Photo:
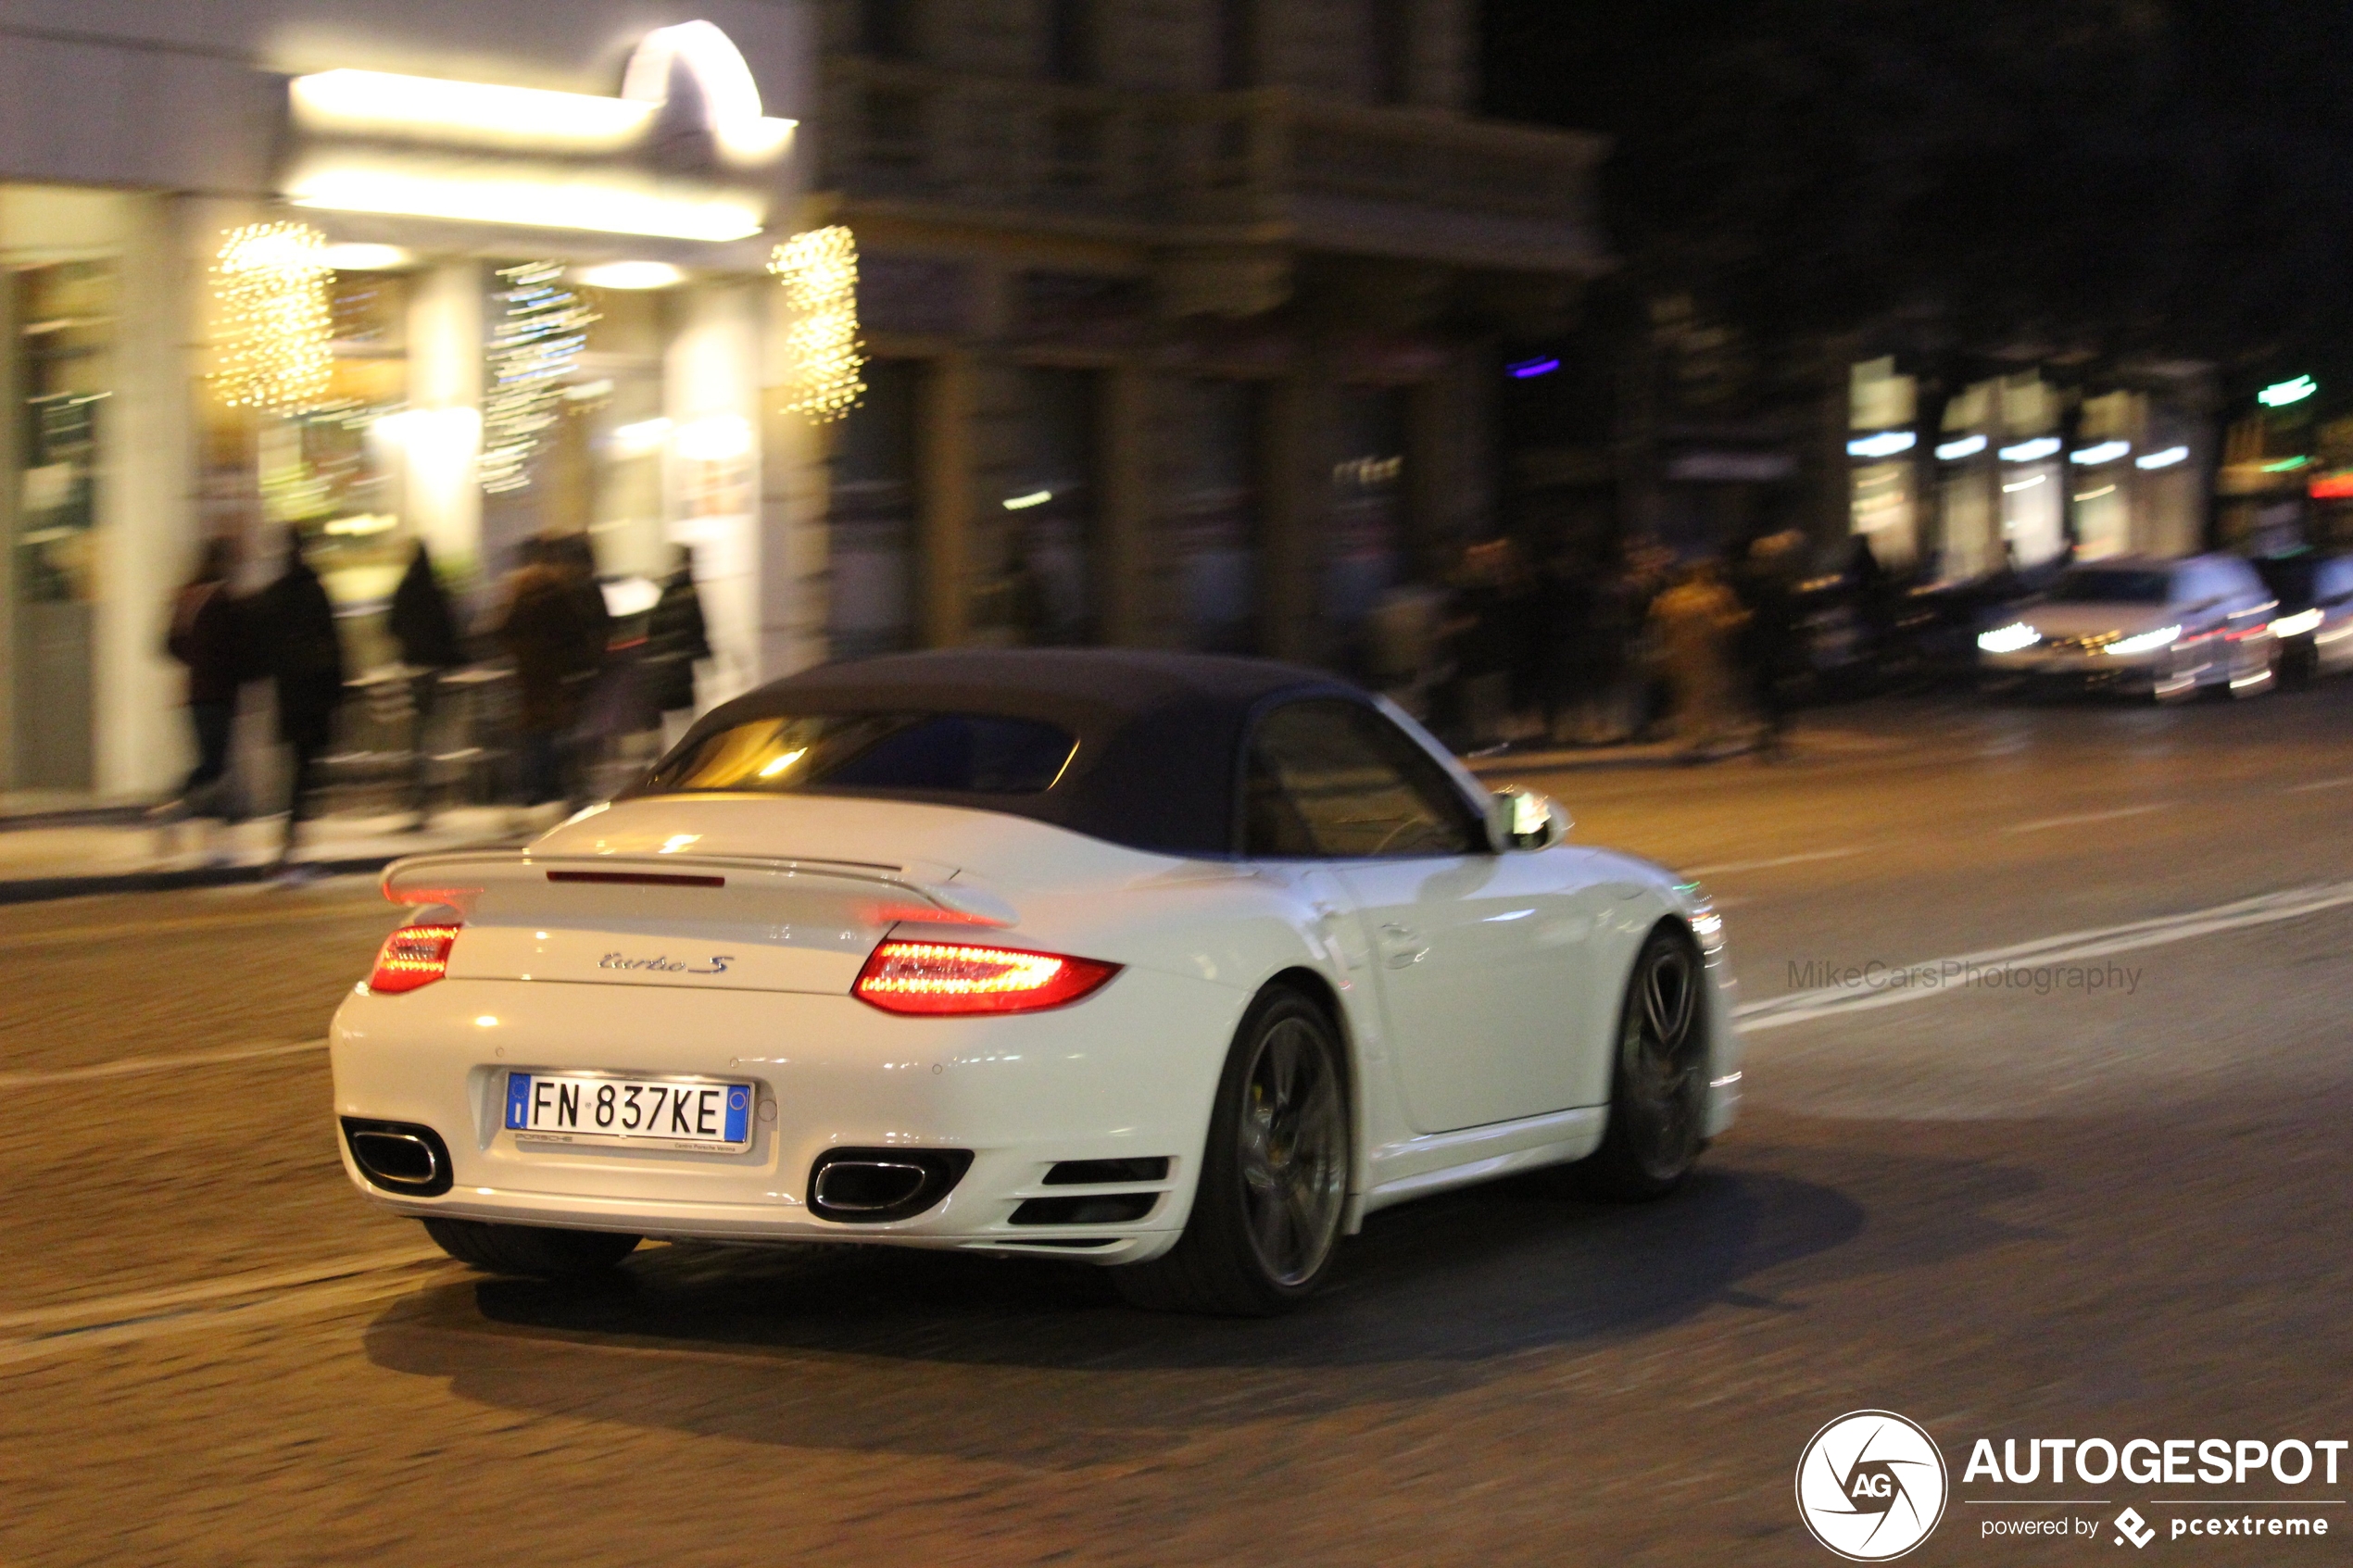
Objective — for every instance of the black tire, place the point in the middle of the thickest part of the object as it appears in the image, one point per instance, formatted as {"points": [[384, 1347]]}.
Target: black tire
{"points": [[536, 1250], [1274, 1174], [1659, 1080]]}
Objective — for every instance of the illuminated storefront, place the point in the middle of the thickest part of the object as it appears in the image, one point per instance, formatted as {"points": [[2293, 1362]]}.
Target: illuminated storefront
{"points": [[541, 248]]}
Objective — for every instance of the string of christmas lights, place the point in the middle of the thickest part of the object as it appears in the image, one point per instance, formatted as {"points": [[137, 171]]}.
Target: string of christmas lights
{"points": [[819, 273], [532, 353], [276, 318]]}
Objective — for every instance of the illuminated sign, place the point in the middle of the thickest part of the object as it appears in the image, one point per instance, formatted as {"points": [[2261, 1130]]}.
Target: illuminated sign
{"points": [[2031, 451], [1966, 447], [1886, 443], [2278, 395], [371, 107]]}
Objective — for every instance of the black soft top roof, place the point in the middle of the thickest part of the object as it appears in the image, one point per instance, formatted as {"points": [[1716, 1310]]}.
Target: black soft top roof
{"points": [[1160, 735]]}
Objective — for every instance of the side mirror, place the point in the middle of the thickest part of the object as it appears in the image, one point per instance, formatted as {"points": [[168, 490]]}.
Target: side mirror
{"points": [[1525, 818]]}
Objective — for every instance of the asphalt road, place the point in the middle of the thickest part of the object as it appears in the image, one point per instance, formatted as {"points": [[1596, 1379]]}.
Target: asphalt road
{"points": [[2004, 1212]]}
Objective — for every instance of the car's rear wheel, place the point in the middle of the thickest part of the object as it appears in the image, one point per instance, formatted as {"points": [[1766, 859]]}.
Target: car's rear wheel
{"points": [[1274, 1174], [529, 1249], [1658, 1090]]}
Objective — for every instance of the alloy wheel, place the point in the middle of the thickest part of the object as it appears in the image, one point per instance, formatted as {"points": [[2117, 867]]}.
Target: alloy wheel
{"points": [[1294, 1154]]}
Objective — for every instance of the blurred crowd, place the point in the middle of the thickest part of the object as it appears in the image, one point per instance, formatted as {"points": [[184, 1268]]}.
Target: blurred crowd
{"points": [[1629, 646], [1595, 648], [583, 684]]}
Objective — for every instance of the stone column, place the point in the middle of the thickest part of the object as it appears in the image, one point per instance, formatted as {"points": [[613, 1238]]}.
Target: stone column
{"points": [[437, 439], [1127, 483], [944, 501], [146, 525]]}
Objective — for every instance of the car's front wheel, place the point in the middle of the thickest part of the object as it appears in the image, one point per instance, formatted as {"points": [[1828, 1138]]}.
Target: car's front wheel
{"points": [[1658, 1090], [537, 1250], [1274, 1174]]}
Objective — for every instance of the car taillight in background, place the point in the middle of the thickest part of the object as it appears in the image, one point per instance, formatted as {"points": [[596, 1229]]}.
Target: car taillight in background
{"points": [[411, 957], [938, 977]]}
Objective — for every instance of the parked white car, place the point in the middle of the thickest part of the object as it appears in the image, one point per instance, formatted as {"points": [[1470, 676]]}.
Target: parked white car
{"points": [[2167, 629], [1175, 963]]}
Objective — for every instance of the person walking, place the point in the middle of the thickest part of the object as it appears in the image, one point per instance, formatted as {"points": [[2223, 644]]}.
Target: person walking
{"points": [[1768, 589], [1565, 631], [207, 635], [426, 630], [295, 626], [540, 628], [676, 640], [1696, 621]]}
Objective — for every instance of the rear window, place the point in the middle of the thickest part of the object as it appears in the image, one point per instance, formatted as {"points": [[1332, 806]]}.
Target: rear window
{"points": [[929, 753], [2112, 586]]}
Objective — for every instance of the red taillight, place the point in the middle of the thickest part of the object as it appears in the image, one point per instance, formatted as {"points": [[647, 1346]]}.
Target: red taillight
{"points": [[940, 977], [412, 956]]}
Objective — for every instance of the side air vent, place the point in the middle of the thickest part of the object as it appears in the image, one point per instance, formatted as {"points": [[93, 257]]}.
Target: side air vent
{"points": [[870, 1186], [1109, 1208], [1106, 1172]]}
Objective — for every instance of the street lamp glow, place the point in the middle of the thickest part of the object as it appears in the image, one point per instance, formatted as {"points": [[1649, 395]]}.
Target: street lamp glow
{"points": [[2278, 395], [1886, 443]]}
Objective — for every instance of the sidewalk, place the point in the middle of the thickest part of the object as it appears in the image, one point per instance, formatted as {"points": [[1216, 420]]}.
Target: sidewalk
{"points": [[67, 855]]}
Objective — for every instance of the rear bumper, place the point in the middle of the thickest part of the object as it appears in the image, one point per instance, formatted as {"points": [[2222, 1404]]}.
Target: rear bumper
{"points": [[1130, 1073]]}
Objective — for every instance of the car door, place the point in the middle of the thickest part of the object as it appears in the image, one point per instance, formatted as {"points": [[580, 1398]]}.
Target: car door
{"points": [[1477, 956]]}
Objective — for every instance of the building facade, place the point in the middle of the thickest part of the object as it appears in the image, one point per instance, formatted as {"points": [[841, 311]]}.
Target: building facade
{"points": [[1181, 319]]}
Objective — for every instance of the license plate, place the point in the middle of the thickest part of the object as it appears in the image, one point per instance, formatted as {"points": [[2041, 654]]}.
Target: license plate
{"points": [[595, 1108]]}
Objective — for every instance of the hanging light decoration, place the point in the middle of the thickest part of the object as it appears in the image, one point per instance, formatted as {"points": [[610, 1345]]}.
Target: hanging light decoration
{"points": [[533, 350], [276, 322], [819, 273]]}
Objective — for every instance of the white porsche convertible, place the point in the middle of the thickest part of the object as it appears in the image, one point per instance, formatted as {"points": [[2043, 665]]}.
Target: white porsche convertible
{"points": [[1172, 963]]}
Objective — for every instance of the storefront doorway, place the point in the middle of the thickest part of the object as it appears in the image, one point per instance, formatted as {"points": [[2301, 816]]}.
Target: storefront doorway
{"points": [[61, 316], [870, 604]]}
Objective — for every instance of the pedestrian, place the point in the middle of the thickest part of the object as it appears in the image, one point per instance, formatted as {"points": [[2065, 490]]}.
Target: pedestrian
{"points": [[1485, 643], [1564, 627], [295, 626], [1768, 587], [1874, 599], [1695, 621], [426, 630], [676, 640], [540, 628], [207, 635]]}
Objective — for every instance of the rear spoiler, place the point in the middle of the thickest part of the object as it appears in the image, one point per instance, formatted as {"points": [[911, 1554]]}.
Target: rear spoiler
{"points": [[892, 894]]}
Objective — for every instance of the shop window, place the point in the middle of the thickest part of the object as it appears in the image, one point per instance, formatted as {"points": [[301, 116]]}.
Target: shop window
{"points": [[65, 324], [1047, 591], [1072, 44], [1238, 43], [886, 29], [1214, 521], [870, 521], [894, 127], [1390, 34], [1076, 154], [1366, 556]]}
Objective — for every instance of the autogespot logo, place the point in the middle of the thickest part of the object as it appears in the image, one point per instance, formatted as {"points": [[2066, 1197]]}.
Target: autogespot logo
{"points": [[1872, 1485]]}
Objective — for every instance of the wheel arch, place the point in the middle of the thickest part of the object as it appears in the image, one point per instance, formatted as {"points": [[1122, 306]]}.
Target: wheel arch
{"points": [[1317, 988]]}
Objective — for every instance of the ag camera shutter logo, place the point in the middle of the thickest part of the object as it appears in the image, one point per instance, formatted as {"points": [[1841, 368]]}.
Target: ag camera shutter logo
{"points": [[1872, 1485]]}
